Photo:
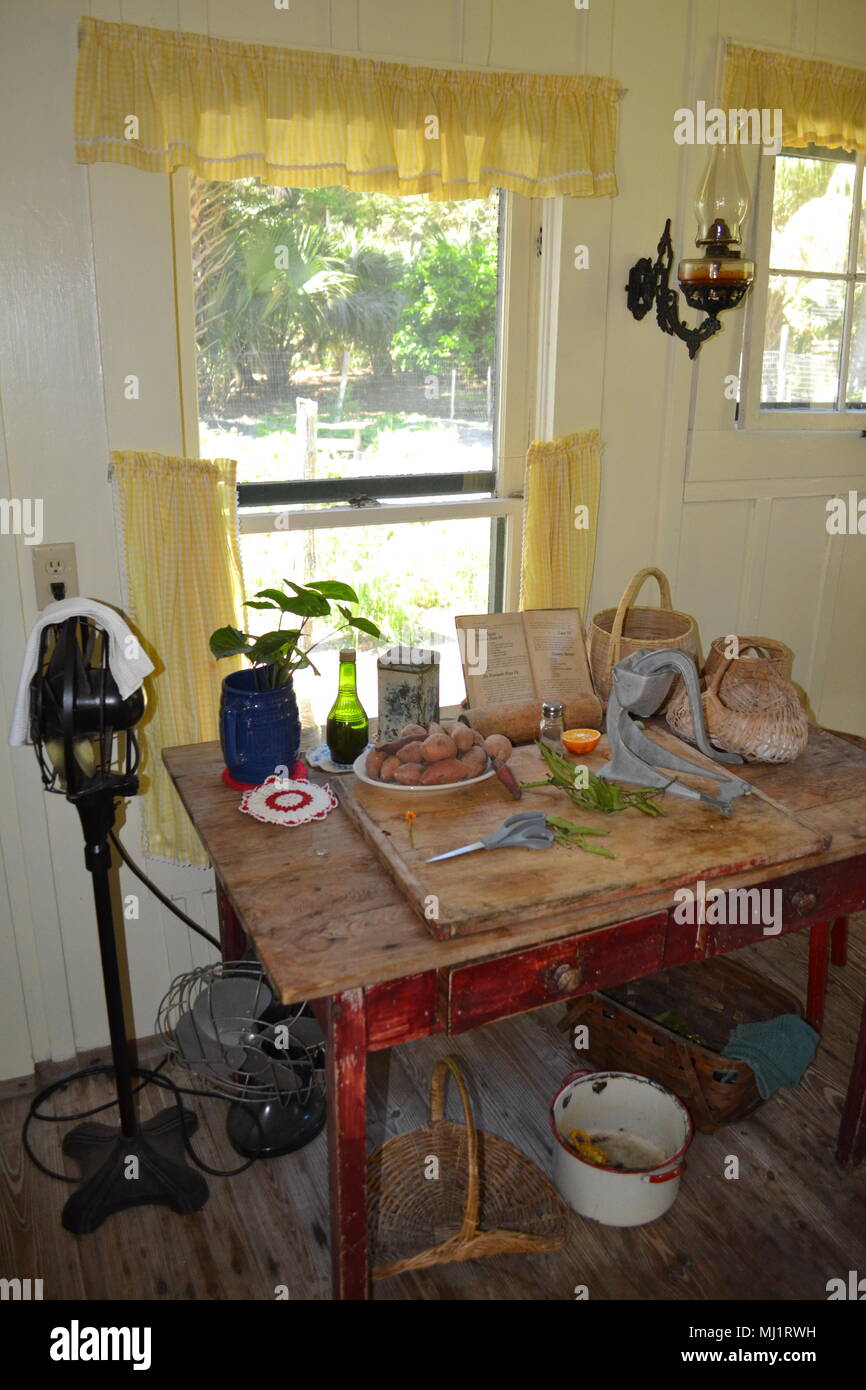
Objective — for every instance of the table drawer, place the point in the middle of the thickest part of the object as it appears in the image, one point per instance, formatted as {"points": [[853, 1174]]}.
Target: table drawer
{"points": [[815, 895], [577, 964]]}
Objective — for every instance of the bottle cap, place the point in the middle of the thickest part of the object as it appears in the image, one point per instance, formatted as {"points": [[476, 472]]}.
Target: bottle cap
{"points": [[348, 654], [550, 709]]}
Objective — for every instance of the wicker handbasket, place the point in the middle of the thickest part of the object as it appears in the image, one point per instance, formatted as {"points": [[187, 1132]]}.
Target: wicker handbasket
{"points": [[771, 655], [486, 1198], [714, 996], [617, 632], [748, 709]]}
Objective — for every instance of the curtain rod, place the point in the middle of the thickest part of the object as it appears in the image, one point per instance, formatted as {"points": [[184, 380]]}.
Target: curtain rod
{"points": [[789, 53], [372, 57]]}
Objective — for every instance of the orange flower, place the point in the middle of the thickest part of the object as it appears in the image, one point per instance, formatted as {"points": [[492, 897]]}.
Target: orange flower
{"points": [[409, 817]]}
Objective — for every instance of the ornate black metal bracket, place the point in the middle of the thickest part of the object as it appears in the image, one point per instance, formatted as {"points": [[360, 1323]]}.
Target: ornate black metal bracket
{"points": [[649, 283]]}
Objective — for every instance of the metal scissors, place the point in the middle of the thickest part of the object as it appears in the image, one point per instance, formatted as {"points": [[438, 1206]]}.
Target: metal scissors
{"points": [[525, 830]]}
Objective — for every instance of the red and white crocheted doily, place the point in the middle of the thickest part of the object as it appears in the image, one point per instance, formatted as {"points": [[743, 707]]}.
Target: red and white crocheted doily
{"points": [[285, 802]]}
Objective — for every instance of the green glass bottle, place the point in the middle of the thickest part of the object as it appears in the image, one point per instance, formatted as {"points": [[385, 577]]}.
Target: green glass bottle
{"points": [[347, 730]]}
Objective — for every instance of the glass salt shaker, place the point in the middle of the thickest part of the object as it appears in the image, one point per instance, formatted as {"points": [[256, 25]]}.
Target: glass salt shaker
{"points": [[550, 730]]}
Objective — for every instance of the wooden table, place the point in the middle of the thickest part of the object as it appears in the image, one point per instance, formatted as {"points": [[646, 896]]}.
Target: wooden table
{"points": [[330, 926]]}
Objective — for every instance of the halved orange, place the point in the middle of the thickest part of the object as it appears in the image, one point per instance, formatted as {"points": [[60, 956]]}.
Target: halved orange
{"points": [[581, 740]]}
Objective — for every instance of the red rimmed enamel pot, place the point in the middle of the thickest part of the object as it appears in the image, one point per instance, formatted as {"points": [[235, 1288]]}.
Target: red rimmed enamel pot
{"points": [[609, 1103]]}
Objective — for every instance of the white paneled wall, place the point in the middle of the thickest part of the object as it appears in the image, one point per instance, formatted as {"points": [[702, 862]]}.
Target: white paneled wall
{"points": [[736, 519]]}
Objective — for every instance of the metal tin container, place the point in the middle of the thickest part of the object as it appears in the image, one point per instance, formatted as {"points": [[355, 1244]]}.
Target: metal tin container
{"points": [[408, 689]]}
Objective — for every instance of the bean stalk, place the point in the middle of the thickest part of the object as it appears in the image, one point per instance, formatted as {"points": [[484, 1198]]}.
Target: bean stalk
{"points": [[598, 794]]}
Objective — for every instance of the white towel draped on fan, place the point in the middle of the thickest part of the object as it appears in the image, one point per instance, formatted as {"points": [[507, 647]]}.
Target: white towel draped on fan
{"points": [[127, 660]]}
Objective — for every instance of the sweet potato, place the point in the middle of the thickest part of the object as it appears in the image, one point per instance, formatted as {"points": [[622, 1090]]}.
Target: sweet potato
{"points": [[395, 745], [409, 774], [463, 737], [413, 731], [435, 728], [411, 752], [389, 767], [507, 778], [445, 770], [478, 738], [475, 762], [437, 747], [498, 746], [373, 765]]}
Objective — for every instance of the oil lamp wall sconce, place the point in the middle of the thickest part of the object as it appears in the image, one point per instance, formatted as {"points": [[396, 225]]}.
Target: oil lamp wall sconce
{"points": [[713, 282]]}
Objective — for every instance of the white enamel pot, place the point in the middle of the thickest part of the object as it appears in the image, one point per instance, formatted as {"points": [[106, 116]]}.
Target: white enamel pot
{"points": [[598, 1102]]}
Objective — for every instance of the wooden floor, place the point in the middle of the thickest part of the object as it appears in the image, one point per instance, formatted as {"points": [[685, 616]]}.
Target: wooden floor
{"points": [[791, 1221]]}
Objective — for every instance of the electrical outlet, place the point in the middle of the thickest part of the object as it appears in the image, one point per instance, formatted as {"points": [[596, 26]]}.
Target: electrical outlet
{"points": [[54, 565]]}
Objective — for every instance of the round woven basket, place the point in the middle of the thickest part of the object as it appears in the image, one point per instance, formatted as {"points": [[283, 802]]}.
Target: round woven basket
{"points": [[617, 632], [770, 655], [451, 1192], [748, 710]]}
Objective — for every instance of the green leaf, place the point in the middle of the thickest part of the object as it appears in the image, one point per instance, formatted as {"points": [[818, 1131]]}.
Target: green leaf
{"points": [[254, 603], [332, 588], [280, 600], [308, 595], [228, 641], [364, 625], [268, 646]]}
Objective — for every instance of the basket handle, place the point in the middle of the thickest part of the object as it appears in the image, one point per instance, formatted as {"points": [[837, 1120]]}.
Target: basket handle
{"points": [[437, 1113], [630, 593], [715, 680]]}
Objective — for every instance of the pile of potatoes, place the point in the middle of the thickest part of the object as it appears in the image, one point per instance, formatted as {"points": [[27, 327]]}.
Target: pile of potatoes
{"points": [[436, 756]]}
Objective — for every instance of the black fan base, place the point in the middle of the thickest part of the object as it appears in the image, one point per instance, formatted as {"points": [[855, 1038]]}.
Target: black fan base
{"points": [[164, 1177], [266, 1129]]}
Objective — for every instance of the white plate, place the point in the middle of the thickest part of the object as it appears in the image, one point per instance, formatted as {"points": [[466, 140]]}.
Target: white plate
{"points": [[358, 769]]}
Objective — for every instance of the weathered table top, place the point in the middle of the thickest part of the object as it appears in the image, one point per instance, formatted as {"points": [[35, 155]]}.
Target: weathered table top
{"points": [[325, 917]]}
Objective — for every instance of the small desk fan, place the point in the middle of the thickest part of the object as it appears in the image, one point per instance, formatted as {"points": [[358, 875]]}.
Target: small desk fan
{"points": [[82, 730]]}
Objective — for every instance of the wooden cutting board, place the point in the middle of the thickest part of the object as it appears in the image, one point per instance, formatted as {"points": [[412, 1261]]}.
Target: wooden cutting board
{"points": [[477, 892]]}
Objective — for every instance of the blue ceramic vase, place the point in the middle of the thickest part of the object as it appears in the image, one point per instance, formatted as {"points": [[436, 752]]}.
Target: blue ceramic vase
{"points": [[260, 730]]}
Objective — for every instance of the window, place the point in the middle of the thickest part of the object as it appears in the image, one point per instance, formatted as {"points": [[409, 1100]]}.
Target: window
{"points": [[811, 369], [347, 351]]}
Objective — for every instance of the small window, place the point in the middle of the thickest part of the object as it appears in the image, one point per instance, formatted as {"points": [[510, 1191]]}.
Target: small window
{"points": [[813, 362]]}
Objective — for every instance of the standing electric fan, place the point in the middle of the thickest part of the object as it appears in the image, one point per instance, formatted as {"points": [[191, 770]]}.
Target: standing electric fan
{"points": [[82, 730]]}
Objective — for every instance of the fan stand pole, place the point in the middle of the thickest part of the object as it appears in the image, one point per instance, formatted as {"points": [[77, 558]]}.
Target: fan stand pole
{"points": [[142, 1164]]}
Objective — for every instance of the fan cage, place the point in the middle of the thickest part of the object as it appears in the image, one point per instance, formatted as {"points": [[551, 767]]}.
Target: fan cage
{"points": [[258, 1060]]}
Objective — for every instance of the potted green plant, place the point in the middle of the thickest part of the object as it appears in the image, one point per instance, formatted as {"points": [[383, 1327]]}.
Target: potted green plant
{"points": [[259, 725]]}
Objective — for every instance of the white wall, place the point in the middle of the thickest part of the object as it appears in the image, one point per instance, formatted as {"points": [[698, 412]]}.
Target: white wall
{"points": [[736, 521]]}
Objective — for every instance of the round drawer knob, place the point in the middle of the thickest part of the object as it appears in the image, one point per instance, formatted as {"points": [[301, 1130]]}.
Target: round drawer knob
{"points": [[804, 903], [565, 979]]}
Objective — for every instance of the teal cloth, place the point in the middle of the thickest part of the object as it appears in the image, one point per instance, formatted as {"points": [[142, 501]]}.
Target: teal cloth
{"points": [[778, 1050]]}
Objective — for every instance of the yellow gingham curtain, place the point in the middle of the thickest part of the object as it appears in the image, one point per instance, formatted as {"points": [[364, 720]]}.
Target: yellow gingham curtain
{"points": [[558, 556], [301, 119], [183, 577], [821, 103]]}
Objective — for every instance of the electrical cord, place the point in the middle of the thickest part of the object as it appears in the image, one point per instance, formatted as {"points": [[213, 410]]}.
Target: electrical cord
{"points": [[158, 893], [151, 1076]]}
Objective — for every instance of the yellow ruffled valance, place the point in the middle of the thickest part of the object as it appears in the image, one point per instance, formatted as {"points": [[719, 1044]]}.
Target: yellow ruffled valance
{"points": [[821, 103], [158, 99]]}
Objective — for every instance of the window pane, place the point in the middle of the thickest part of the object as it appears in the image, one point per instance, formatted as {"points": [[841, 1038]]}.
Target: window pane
{"points": [[812, 204], [801, 345], [411, 578], [856, 393], [380, 311]]}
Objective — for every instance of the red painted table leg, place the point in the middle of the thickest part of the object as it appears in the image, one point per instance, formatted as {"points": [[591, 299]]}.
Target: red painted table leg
{"points": [[346, 1055], [839, 941], [852, 1130], [817, 989], [233, 941]]}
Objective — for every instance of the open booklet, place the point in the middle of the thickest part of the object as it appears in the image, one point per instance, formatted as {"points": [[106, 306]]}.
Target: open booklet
{"points": [[537, 654]]}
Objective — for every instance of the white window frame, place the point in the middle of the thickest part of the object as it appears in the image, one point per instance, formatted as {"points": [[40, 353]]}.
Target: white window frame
{"points": [[515, 397], [779, 419]]}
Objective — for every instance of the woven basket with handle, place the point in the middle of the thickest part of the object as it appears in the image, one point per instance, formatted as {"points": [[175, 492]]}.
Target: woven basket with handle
{"points": [[485, 1197], [712, 997], [770, 655], [617, 632], [749, 709]]}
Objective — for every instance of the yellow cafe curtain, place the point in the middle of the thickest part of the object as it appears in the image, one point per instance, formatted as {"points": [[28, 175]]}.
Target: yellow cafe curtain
{"points": [[821, 103], [178, 519], [560, 515], [157, 99]]}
